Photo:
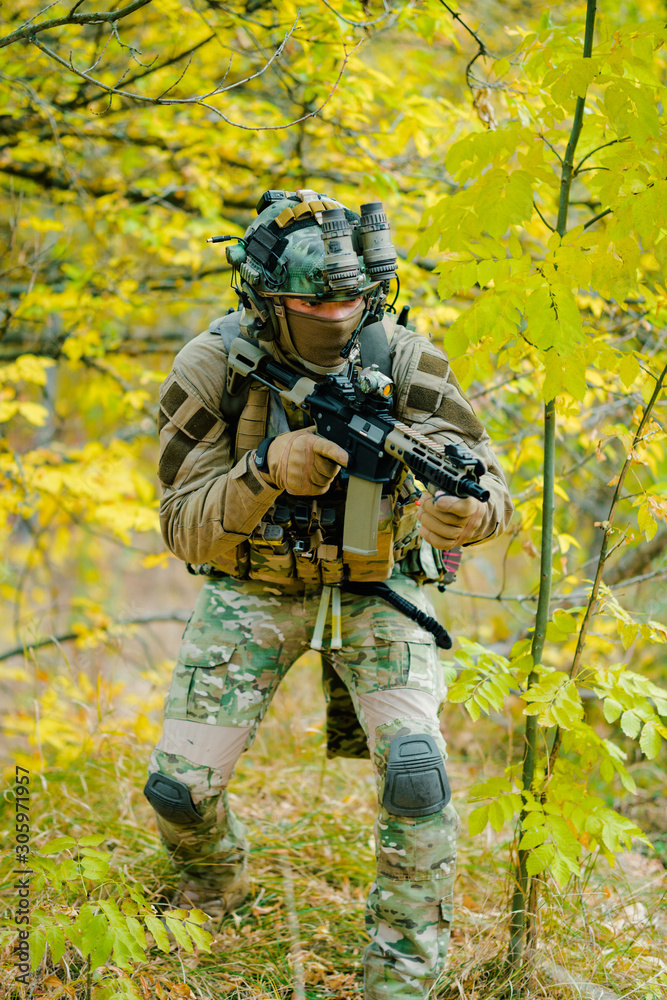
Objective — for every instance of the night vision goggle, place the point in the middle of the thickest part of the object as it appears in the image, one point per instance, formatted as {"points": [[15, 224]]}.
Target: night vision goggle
{"points": [[358, 252]]}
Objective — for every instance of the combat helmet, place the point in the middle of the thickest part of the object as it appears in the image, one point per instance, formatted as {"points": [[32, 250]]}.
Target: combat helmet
{"points": [[307, 245]]}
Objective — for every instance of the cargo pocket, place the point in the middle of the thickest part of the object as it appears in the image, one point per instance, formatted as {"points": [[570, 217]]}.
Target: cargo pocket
{"points": [[196, 690], [203, 660], [209, 651], [406, 656], [393, 660]]}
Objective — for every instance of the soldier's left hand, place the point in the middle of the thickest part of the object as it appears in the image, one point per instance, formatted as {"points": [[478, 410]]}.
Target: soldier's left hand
{"points": [[448, 521]]}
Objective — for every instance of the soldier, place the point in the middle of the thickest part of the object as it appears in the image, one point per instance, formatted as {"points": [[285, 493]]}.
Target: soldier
{"points": [[254, 500]]}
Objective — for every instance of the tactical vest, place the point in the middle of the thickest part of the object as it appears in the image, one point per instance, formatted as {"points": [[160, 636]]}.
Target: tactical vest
{"points": [[300, 538]]}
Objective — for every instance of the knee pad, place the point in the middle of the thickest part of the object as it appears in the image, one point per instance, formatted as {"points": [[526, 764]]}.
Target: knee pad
{"points": [[171, 799], [416, 783]]}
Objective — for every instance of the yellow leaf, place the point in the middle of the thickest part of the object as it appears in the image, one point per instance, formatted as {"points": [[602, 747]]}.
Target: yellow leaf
{"points": [[628, 370], [565, 541], [646, 521], [160, 559], [422, 143], [145, 729], [136, 398], [7, 409], [34, 413], [41, 225]]}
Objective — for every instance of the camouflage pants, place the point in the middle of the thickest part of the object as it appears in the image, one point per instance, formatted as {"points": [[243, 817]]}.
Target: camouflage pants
{"points": [[240, 642]]}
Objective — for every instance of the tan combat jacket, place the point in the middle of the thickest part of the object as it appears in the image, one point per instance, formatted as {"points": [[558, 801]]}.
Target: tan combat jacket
{"points": [[214, 499]]}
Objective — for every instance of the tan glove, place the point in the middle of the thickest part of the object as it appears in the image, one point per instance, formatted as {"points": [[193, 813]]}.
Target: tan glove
{"points": [[448, 521], [302, 463]]}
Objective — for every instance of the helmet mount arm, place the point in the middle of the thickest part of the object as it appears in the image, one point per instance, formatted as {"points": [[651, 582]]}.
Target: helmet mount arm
{"points": [[370, 310]]}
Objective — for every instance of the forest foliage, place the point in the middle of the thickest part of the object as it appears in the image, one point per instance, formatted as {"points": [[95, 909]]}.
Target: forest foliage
{"points": [[535, 256]]}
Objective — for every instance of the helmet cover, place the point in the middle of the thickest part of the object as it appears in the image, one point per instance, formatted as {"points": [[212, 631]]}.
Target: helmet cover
{"points": [[290, 260]]}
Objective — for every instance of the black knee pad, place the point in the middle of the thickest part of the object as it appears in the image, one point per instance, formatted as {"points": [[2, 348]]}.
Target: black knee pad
{"points": [[171, 799], [416, 782]]}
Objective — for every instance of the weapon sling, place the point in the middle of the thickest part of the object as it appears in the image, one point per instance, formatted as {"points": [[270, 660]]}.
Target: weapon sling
{"points": [[410, 610]]}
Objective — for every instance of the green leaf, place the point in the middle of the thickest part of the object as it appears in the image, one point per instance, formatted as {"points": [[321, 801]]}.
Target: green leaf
{"points": [[57, 845], [564, 621], [156, 927], [533, 838], [612, 710], [539, 859], [102, 950], [630, 723], [125, 943], [69, 870], [198, 917], [660, 705], [56, 939], [93, 869], [646, 521], [473, 710], [627, 781], [554, 634], [561, 872], [122, 954], [650, 740], [94, 932], [490, 787], [496, 815], [607, 770], [177, 929], [92, 840], [201, 938], [137, 931], [617, 832], [37, 941]]}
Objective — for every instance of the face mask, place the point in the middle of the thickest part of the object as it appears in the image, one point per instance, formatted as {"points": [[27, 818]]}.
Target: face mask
{"points": [[319, 339]]}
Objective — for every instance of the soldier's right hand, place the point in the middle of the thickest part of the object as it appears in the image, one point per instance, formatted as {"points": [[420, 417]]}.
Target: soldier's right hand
{"points": [[302, 463]]}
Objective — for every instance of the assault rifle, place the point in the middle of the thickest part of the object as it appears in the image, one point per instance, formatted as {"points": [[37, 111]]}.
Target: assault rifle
{"points": [[355, 415]]}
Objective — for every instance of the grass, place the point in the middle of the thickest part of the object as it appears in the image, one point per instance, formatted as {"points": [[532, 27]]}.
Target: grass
{"points": [[310, 824]]}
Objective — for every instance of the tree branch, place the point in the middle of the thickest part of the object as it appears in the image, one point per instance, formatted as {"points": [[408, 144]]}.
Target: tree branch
{"points": [[596, 218], [547, 224], [28, 31], [482, 51], [605, 552], [167, 616], [552, 148], [80, 101], [144, 99], [597, 150], [523, 913], [360, 24], [202, 99]]}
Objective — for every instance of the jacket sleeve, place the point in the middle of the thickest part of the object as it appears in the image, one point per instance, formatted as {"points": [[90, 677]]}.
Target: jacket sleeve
{"points": [[430, 399], [210, 504]]}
